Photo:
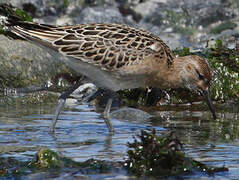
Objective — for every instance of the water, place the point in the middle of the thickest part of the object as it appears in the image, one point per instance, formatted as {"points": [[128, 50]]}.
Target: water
{"points": [[81, 134]]}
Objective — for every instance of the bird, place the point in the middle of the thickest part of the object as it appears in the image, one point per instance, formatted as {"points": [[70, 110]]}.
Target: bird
{"points": [[115, 57]]}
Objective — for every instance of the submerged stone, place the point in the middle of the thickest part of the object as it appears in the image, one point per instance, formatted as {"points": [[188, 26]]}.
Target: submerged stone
{"points": [[130, 114]]}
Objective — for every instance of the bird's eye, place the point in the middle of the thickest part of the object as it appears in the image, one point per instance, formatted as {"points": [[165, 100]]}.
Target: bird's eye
{"points": [[200, 76]]}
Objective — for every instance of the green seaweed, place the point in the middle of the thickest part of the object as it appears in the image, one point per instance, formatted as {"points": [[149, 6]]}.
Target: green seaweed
{"points": [[66, 3], [23, 15], [1, 30], [154, 155], [47, 158], [225, 64], [182, 52]]}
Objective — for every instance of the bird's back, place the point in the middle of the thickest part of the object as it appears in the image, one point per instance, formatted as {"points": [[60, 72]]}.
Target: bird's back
{"points": [[110, 46]]}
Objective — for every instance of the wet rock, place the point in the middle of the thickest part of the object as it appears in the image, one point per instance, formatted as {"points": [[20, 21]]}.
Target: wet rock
{"points": [[130, 114], [24, 64], [36, 176]]}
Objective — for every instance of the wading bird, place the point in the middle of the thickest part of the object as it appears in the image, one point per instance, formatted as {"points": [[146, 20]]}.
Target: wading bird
{"points": [[114, 57]]}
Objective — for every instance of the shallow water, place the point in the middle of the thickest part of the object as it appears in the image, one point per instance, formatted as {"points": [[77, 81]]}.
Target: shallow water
{"points": [[81, 134]]}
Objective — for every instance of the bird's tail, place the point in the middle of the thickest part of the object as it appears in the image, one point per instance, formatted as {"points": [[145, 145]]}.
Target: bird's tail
{"points": [[16, 23]]}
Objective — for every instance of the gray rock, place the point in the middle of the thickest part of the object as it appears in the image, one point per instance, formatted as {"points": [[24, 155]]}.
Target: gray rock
{"points": [[101, 14], [151, 11], [190, 12], [24, 64], [130, 114], [41, 8], [38, 6], [207, 12]]}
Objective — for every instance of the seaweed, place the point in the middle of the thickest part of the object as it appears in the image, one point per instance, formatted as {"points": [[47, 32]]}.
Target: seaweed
{"points": [[154, 155], [15, 13]]}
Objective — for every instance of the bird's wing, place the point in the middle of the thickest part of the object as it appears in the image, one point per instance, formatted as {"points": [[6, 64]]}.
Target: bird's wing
{"points": [[110, 46]]}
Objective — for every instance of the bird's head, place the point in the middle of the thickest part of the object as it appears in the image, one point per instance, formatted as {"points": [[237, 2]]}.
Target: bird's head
{"points": [[196, 75]]}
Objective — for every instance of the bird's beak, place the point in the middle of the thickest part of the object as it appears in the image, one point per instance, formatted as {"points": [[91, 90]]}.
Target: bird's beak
{"points": [[207, 96]]}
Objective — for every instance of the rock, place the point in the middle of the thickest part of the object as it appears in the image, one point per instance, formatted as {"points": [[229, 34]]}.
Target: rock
{"points": [[64, 20], [148, 7], [34, 7], [190, 13], [101, 14], [40, 8], [130, 114], [186, 18], [149, 11], [24, 64], [207, 12]]}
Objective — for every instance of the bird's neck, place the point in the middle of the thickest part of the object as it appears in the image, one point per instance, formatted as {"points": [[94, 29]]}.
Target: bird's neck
{"points": [[167, 77]]}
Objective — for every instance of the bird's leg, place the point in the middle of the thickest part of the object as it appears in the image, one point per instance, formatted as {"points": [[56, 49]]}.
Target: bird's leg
{"points": [[106, 115], [61, 102]]}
